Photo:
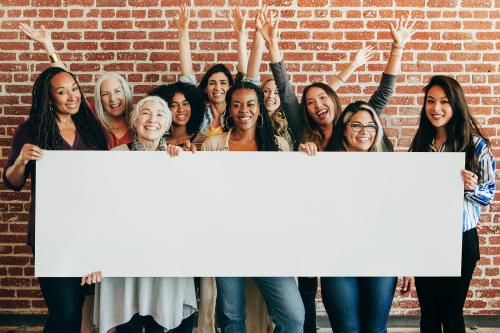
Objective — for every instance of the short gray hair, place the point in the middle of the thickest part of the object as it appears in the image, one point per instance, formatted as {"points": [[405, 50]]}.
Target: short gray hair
{"points": [[164, 106], [102, 115]]}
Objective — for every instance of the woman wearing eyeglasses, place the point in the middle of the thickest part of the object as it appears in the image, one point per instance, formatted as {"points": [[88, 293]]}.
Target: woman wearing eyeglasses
{"points": [[358, 304]]}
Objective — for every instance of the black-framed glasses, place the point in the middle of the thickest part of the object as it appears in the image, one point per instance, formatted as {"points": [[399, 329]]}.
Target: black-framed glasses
{"points": [[357, 127]]}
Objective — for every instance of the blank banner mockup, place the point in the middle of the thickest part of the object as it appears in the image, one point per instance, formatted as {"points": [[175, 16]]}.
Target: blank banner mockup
{"points": [[249, 214]]}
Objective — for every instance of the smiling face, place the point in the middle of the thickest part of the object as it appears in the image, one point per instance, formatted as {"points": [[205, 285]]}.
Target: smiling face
{"points": [[437, 107], [113, 98], [244, 109], [217, 86], [271, 96], [66, 96], [151, 121], [360, 132], [320, 106], [181, 109]]}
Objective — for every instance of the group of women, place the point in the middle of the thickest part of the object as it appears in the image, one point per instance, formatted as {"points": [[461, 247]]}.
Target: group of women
{"points": [[229, 114]]}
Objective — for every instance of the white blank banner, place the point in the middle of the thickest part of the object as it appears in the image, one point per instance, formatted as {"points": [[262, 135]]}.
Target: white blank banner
{"points": [[249, 214]]}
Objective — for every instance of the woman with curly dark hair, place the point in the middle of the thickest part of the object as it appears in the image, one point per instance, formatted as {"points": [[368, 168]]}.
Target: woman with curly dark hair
{"points": [[188, 111], [59, 120]]}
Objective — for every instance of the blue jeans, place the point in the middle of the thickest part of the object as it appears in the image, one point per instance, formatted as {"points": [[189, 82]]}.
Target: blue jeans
{"points": [[281, 295], [358, 304]]}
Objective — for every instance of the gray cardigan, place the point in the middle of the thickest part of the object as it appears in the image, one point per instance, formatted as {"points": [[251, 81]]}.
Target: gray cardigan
{"points": [[291, 106]]}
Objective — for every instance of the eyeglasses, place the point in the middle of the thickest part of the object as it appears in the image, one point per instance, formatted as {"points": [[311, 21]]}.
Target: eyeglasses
{"points": [[357, 127]]}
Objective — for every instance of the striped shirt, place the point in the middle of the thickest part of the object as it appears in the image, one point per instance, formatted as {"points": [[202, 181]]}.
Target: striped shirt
{"points": [[484, 190]]}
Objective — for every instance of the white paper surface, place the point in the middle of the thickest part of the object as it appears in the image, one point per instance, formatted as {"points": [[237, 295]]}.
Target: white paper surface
{"points": [[248, 214]]}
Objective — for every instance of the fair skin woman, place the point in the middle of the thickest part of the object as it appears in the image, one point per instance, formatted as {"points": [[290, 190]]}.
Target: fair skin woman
{"points": [[318, 103], [218, 83], [447, 125]]}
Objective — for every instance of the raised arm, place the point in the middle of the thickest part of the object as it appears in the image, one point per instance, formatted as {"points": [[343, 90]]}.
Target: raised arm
{"points": [[238, 21], [361, 58], [257, 46], [43, 37], [401, 34], [269, 31], [182, 24]]}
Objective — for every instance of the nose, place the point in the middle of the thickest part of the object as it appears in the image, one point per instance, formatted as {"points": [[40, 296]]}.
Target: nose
{"points": [[363, 130]]}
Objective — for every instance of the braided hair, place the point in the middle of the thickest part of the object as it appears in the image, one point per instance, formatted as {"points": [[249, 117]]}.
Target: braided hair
{"points": [[264, 135], [42, 118]]}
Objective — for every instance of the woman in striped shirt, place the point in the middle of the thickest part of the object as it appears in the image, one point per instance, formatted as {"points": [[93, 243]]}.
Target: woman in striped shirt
{"points": [[446, 125]]}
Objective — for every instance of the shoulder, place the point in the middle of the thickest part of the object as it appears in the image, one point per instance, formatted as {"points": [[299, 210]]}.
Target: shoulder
{"points": [[282, 143], [212, 143], [24, 132], [123, 147]]}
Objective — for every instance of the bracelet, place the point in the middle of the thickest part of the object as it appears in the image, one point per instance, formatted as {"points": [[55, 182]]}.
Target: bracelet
{"points": [[396, 53], [396, 45], [53, 58]]}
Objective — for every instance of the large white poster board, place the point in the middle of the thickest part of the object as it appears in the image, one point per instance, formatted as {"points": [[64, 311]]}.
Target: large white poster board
{"points": [[248, 214]]}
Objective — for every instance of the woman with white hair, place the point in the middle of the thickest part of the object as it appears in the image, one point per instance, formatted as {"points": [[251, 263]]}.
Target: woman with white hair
{"points": [[112, 95], [133, 303]]}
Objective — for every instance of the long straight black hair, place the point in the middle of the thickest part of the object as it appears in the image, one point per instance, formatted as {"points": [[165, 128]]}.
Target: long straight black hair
{"points": [[459, 130]]}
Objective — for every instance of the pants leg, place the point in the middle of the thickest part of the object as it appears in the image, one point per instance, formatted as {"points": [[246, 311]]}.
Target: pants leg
{"points": [[308, 288], [283, 303], [231, 304], [376, 294], [341, 299], [457, 287], [64, 298], [442, 299]]}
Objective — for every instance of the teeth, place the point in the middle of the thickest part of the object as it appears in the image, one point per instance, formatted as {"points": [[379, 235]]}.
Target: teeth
{"points": [[244, 119], [319, 113], [270, 102], [151, 128], [181, 117]]}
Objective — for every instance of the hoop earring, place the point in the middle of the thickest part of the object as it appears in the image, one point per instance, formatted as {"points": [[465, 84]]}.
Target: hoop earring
{"points": [[261, 117]]}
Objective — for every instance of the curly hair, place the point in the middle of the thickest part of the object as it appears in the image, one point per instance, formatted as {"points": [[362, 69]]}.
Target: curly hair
{"points": [[280, 123], [460, 129], [192, 95], [42, 117], [264, 135]]}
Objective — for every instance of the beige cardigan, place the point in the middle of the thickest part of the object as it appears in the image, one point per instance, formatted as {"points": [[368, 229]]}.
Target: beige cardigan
{"points": [[257, 319]]}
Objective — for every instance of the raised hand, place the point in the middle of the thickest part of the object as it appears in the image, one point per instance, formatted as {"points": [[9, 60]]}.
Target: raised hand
{"points": [[265, 25], [238, 20], [402, 32], [181, 21], [363, 56], [40, 35]]}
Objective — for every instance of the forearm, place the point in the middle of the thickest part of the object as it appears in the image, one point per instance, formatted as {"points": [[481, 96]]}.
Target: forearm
{"points": [[242, 52], [54, 59], [274, 51], [342, 77], [186, 62], [15, 174], [394, 62], [255, 56]]}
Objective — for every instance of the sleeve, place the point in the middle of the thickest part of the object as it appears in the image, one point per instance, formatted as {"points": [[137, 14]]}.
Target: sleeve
{"points": [[18, 140], [289, 101], [381, 96], [253, 80], [191, 79], [484, 191]]}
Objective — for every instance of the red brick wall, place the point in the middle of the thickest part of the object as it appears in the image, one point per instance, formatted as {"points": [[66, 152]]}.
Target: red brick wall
{"points": [[456, 37]]}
